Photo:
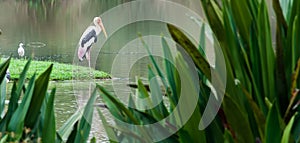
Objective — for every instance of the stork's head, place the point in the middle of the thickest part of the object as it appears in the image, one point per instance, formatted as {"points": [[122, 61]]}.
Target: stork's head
{"points": [[21, 44], [98, 21]]}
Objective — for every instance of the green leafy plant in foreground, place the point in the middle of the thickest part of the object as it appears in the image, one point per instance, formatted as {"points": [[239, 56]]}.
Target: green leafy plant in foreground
{"points": [[30, 113], [261, 101]]}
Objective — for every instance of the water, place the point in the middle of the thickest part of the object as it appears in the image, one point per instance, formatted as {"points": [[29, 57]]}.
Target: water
{"points": [[73, 95]]}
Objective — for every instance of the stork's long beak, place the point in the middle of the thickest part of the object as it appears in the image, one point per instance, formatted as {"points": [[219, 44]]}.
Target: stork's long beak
{"points": [[103, 29]]}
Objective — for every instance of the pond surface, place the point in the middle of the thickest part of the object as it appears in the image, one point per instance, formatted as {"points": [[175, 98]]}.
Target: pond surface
{"points": [[73, 95]]}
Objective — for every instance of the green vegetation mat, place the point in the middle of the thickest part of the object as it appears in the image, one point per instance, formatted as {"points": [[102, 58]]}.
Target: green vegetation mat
{"points": [[60, 71]]}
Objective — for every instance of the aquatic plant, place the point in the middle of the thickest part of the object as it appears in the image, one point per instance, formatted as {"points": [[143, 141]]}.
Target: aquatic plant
{"points": [[60, 71], [261, 101], [30, 115]]}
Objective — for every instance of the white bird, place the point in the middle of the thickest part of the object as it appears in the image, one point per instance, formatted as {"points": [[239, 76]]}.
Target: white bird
{"points": [[7, 75], [88, 38], [21, 50]]}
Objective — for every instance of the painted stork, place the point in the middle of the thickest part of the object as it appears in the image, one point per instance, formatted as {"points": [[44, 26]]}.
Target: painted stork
{"points": [[88, 38], [21, 50]]}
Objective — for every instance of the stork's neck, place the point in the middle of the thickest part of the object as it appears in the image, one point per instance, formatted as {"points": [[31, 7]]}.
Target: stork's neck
{"points": [[97, 29]]}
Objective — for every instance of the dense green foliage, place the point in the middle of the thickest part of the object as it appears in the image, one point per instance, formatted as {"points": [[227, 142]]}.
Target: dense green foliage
{"points": [[29, 115], [60, 71], [262, 106]]}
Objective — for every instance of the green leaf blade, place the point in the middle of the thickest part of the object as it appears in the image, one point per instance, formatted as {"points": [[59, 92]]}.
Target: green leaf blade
{"points": [[38, 98], [49, 127], [84, 127]]}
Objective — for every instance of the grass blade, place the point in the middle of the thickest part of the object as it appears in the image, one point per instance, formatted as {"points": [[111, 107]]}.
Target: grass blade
{"points": [[202, 41], [3, 69], [238, 120], [266, 52], [228, 137], [214, 15], [112, 135], [16, 123], [38, 98], [287, 131], [156, 95], [273, 131], [4, 139], [160, 73], [170, 71], [120, 111], [189, 132], [116, 108], [242, 15], [143, 100], [185, 43], [49, 127], [15, 95], [72, 136], [65, 131], [2, 97], [84, 127]]}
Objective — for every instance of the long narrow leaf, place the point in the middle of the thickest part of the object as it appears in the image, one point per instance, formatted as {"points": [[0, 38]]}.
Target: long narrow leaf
{"points": [[185, 43], [38, 98], [65, 131], [273, 131], [16, 123], [112, 135], [160, 73], [49, 128], [287, 131], [72, 136], [85, 123], [238, 120], [4, 139], [266, 52], [2, 97], [114, 104], [242, 15], [214, 16], [170, 71], [3, 69], [189, 87], [156, 95]]}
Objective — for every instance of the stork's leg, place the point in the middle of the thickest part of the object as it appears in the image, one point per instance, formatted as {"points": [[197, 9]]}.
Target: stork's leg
{"points": [[88, 57]]}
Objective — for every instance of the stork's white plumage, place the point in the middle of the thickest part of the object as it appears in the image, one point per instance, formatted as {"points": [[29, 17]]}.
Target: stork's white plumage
{"points": [[88, 38], [21, 50]]}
